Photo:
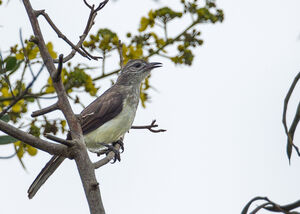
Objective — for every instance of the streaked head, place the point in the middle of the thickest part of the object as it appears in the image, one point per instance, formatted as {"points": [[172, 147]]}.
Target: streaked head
{"points": [[135, 71]]}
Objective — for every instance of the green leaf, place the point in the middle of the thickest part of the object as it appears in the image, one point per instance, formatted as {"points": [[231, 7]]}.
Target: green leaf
{"points": [[17, 66], [5, 118], [6, 139], [11, 63]]}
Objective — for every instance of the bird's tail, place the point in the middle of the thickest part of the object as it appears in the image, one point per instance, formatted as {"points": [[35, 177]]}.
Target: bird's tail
{"points": [[46, 172]]}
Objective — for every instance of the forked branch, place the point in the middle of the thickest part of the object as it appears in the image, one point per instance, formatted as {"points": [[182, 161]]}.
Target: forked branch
{"points": [[150, 127], [271, 206], [89, 24]]}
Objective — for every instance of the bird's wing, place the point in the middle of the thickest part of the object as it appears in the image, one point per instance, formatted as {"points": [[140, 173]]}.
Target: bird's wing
{"points": [[103, 109]]}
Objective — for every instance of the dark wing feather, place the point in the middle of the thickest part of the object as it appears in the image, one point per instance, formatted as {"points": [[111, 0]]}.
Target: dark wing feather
{"points": [[103, 109]]}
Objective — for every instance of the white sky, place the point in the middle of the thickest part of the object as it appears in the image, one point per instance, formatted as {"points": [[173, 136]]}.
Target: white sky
{"points": [[225, 142]]}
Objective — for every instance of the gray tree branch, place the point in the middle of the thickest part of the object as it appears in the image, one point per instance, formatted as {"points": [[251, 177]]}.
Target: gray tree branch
{"points": [[51, 148]]}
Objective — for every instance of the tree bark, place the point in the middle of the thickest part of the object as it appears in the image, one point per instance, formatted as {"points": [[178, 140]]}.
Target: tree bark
{"points": [[78, 151]]}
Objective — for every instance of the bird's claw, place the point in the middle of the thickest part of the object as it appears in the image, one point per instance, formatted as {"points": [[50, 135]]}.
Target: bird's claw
{"points": [[111, 148], [120, 142]]}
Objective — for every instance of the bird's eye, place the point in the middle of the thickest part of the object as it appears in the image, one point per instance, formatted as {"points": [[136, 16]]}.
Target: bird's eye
{"points": [[137, 65]]}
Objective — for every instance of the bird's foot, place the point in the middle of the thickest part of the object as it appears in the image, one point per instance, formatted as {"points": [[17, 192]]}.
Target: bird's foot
{"points": [[120, 142], [111, 148]]}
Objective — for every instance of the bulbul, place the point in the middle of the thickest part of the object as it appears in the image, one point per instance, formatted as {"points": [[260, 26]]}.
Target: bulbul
{"points": [[107, 118]]}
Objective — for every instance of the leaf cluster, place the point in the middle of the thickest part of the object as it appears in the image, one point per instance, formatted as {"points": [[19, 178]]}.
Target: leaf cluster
{"points": [[152, 37]]}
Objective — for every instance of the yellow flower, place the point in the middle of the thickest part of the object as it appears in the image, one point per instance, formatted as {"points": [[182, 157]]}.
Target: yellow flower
{"points": [[31, 150], [5, 92]]}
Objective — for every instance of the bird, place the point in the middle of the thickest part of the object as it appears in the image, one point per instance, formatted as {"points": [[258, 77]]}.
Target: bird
{"points": [[105, 121]]}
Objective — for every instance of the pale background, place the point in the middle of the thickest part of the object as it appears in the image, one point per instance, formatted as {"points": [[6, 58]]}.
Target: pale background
{"points": [[225, 142]]}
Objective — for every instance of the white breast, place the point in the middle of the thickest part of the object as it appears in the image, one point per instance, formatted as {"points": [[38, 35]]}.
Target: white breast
{"points": [[112, 130]]}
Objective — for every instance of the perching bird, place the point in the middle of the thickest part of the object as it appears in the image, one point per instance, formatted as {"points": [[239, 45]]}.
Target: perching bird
{"points": [[107, 118]]}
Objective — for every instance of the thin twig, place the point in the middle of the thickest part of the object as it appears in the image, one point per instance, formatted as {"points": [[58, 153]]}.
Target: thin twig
{"points": [[149, 127], [68, 143], [25, 53], [21, 96], [260, 207], [287, 207], [57, 75], [106, 75], [59, 33], [85, 2], [295, 123], [120, 50], [46, 110], [247, 206], [9, 86], [9, 156], [290, 143], [90, 55], [103, 63], [29, 95], [89, 24], [101, 5], [171, 41]]}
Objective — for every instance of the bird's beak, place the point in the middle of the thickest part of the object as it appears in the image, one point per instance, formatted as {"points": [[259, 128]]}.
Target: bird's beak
{"points": [[154, 65]]}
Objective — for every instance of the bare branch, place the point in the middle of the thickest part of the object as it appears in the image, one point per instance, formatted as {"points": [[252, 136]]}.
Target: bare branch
{"points": [[246, 208], [120, 50], [57, 75], [9, 85], [85, 2], [260, 207], [101, 5], [149, 127], [90, 22], [59, 33], [106, 75], [290, 143], [29, 95], [295, 122], [45, 110], [287, 207], [31, 140], [25, 54], [90, 55], [271, 206], [68, 143]]}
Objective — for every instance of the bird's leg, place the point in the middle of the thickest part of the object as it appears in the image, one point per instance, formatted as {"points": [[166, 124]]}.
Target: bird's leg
{"points": [[120, 142], [111, 148]]}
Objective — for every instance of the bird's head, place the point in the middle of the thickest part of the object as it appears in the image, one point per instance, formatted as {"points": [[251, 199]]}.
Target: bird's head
{"points": [[135, 71]]}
